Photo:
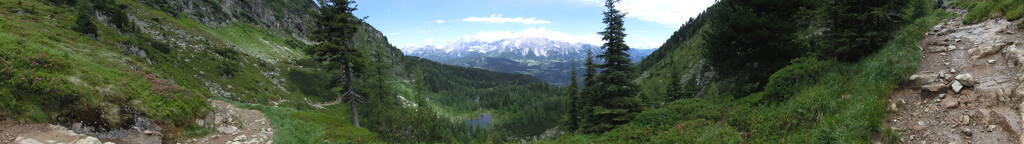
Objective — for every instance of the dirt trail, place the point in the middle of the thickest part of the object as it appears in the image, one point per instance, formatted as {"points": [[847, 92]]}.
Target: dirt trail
{"points": [[235, 126], [967, 88], [12, 132]]}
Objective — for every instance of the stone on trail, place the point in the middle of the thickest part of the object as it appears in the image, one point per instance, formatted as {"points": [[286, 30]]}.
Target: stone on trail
{"points": [[966, 79], [950, 102], [957, 86]]}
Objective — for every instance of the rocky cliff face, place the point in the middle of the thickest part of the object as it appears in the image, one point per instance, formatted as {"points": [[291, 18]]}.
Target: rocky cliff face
{"points": [[291, 16]]}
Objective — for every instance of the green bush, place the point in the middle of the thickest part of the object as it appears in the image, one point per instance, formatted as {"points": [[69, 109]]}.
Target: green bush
{"points": [[1015, 12], [788, 81], [84, 24], [683, 109], [228, 69], [699, 132]]}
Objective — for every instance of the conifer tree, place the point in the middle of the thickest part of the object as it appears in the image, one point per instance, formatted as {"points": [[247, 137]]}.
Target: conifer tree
{"points": [[612, 102], [575, 102], [335, 29]]}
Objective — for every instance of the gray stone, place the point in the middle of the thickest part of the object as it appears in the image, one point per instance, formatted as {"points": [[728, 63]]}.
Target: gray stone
{"points": [[964, 120], [966, 80], [88, 140], [23, 140], [957, 86], [228, 129], [934, 87], [950, 102]]}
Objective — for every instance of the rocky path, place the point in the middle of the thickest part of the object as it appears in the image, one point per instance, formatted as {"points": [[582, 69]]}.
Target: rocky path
{"points": [[235, 126], [12, 132], [967, 89]]}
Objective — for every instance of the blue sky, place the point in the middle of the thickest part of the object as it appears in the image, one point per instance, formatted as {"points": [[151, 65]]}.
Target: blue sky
{"points": [[413, 23]]}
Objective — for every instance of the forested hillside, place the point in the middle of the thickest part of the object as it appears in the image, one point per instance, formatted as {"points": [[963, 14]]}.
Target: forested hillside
{"points": [[774, 71]]}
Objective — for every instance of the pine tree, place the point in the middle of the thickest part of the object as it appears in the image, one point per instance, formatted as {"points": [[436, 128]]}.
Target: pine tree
{"points": [[575, 101], [857, 28], [336, 27], [584, 99], [612, 102]]}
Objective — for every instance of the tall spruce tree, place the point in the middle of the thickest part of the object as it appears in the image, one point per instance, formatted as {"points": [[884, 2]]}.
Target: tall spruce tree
{"points": [[335, 29], [612, 101], [575, 102], [584, 100]]}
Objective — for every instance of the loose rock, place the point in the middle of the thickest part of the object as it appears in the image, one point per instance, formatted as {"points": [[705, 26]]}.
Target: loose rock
{"points": [[957, 86], [966, 79], [950, 102], [964, 120]]}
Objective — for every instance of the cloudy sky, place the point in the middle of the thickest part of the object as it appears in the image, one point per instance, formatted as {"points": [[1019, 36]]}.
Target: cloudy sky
{"points": [[413, 23]]}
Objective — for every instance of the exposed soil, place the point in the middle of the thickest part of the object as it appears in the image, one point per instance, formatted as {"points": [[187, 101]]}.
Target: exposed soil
{"points": [[967, 88]]}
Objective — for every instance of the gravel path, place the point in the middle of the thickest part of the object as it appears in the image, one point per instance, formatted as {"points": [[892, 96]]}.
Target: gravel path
{"points": [[967, 88], [235, 126]]}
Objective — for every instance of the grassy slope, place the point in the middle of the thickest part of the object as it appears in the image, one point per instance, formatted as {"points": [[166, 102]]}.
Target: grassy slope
{"points": [[249, 64], [842, 103], [82, 77], [981, 10]]}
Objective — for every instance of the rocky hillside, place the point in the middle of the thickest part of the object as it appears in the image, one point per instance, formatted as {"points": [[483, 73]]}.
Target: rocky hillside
{"points": [[290, 16]]}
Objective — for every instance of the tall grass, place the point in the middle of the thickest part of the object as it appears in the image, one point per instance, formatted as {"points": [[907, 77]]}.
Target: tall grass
{"points": [[980, 10]]}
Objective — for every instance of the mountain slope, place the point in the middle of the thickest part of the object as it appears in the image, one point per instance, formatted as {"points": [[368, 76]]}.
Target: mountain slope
{"points": [[811, 99], [545, 59], [97, 66]]}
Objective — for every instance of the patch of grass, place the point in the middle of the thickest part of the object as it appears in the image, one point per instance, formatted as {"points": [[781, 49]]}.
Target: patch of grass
{"points": [[331, 125], [254, 41], [980, 10], [195, 131]]}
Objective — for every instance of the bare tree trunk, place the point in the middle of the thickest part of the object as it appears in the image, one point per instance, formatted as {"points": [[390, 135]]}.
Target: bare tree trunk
{"points": [[353, 99], [355, 114]]}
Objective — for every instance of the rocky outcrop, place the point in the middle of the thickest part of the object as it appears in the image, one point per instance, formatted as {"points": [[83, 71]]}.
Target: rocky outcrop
{"points": [[291, 16]]}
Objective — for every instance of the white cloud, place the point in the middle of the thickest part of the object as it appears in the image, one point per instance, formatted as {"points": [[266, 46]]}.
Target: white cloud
{"points": [[535, 33], [497, 18], [440, 21], [672, 13], [644, 44]]}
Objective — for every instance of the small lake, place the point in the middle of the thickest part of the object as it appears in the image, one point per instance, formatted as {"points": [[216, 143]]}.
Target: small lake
{"points": [[481, 122]]}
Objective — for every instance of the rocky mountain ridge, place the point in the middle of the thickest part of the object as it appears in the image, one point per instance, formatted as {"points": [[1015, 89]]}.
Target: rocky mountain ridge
{"points": [[547, 59]]}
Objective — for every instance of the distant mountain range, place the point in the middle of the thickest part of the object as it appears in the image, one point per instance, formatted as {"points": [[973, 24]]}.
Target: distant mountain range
{"points": [[545, 59]]}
